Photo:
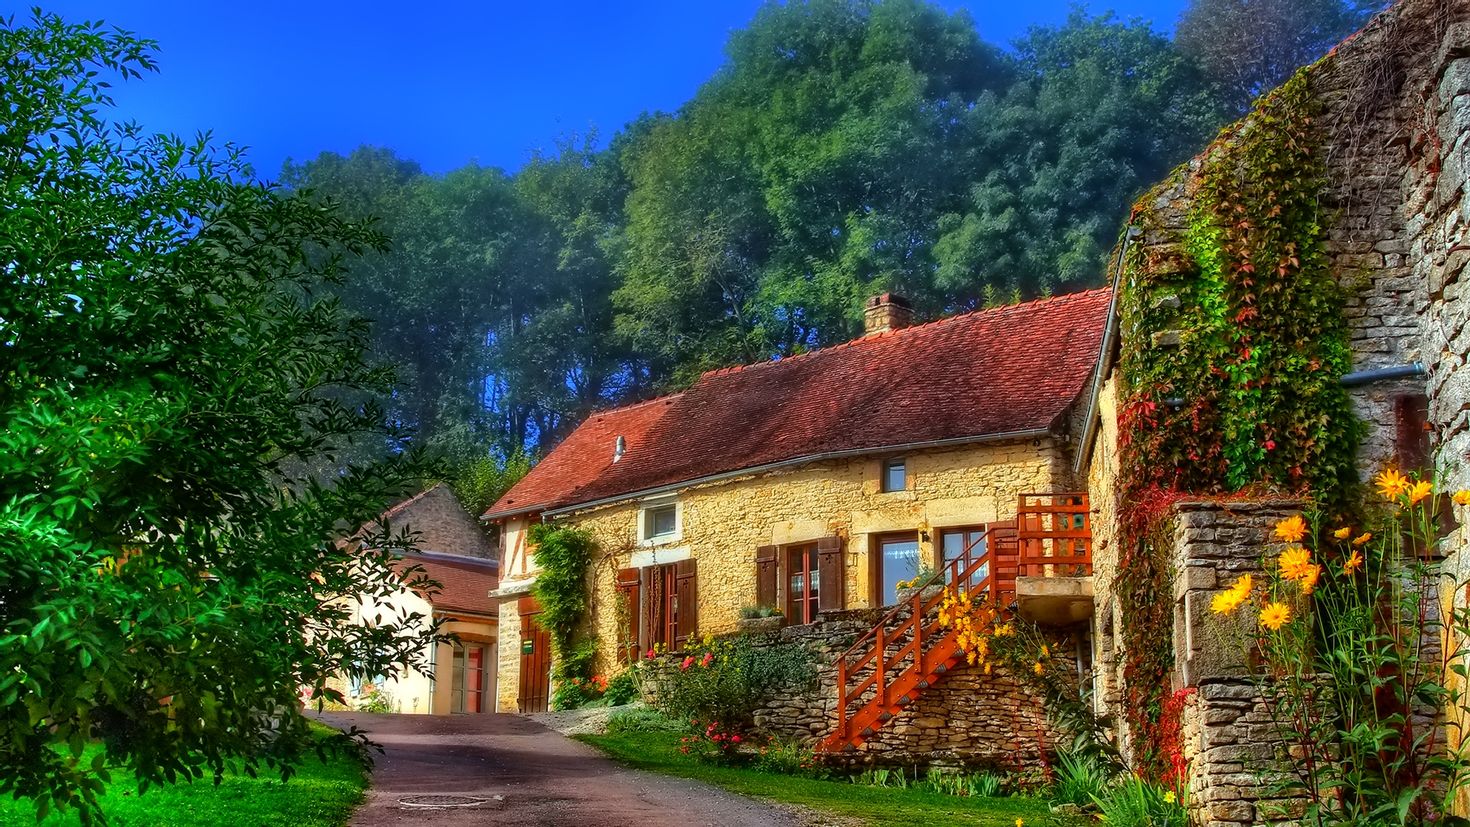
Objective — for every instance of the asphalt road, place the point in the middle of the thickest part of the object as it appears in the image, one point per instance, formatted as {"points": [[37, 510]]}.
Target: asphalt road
{"points": [[507, 769]]}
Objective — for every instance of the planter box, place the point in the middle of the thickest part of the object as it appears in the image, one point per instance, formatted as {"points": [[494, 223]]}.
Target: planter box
{"points": [[762, 625]]}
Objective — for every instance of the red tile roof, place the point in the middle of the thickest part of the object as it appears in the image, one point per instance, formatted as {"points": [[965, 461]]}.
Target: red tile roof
{"points": [[465, 582], [582, 457], [992, 372]]}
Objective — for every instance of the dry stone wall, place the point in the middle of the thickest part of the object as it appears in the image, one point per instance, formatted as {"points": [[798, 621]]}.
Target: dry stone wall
{"points": [[967, 719]]}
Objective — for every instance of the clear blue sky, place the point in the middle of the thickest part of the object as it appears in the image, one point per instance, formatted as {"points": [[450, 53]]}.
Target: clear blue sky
{"points": [[445, 83]]}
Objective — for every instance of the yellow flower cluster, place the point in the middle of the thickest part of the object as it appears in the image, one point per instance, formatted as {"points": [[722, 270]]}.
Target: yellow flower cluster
{"points": [[1229, 600], [1292, 529], [1296, 565], [1395, 486]]}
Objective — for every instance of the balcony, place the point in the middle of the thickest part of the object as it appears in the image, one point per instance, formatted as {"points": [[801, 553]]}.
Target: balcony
{"points": [[1053, 583]]}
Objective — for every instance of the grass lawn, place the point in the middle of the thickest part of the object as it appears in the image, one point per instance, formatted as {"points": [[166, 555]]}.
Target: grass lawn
{"points": [[319, 795], [659, 752]]}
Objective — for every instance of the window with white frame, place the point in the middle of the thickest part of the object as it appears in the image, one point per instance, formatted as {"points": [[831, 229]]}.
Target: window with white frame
{"points": [[660, 522]]}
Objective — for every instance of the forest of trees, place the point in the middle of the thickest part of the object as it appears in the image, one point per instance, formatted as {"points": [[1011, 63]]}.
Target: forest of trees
{"points": [[846, 147]]}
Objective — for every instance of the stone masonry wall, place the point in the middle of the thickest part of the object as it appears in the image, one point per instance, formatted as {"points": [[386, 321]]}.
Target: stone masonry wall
{"points": [[1227, 731], [967, 719], [724, 523], [442, 524]]}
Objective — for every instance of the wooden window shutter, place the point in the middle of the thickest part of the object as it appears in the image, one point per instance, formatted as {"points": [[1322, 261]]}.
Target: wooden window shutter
{"points": [[1411, 437], [648, 613], [831, 596], [686, 592], [628, 581], [767, 574]]}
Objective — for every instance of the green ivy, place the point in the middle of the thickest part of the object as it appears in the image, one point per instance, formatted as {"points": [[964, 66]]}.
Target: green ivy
{"points": [[564, 556], [1234, 341]]}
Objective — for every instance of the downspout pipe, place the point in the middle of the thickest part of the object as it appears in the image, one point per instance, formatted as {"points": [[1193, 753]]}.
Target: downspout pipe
{"points": [[1358, 378]]}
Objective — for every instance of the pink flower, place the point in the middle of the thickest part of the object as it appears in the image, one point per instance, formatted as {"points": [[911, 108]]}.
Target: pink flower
{"points": [[1270, 445], [650, 654], [734, 739], [707, 659], [688, 662]]}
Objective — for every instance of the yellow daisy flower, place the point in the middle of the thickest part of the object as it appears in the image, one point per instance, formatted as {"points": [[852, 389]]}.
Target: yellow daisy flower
{"points": [[1295, 563], [1353, 563], [1391, 484], [1419, 491], [1363, 539], [1292, 529], [1462, 497], [1308, 580], [1226, 602], [1275, 615], [1038, 668], [1343, 533]]}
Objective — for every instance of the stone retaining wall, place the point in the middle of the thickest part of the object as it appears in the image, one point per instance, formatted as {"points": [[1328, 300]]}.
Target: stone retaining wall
{"points": [[967, 719]]}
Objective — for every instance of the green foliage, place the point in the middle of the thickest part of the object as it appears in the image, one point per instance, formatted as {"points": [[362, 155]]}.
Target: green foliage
{"points": [[1262, 340], [623, 688], [725, 680], [564, 555], [172, 353], [964, 784], [480, 481], [756, 612], [1081, 779], [643, 719], [379, 700], [882, 777], [787, 756], [1134, 802]]}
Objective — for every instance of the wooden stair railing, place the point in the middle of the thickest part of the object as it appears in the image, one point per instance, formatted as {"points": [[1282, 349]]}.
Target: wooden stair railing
{"points": [[907, 651]]}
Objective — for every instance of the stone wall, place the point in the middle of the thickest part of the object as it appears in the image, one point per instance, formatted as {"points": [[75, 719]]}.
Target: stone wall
{"points": [[1227, 730], [442, 524], [723, 523], [967, 719]]}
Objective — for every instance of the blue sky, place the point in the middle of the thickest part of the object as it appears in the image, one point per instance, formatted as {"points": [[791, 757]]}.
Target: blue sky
{"points": [[446, 83]]}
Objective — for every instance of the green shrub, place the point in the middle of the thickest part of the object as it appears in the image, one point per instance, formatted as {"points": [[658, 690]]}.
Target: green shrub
{"points": [[623, 689], [753, 612], [882, 777], [643, 719], [726, 680], [1081, 779], [1134, 802], [376, 700], [787, 757], [965, 785]]}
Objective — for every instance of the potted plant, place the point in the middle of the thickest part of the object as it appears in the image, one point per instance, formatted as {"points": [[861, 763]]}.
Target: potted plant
{"points": [[754, 619]]}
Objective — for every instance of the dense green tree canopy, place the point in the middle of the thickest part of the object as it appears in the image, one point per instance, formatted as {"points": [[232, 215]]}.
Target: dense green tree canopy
{"points": [[169, 351]]}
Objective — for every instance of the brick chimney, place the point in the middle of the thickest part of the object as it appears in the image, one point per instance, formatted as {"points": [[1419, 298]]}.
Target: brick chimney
{"points": [[886, 312]]}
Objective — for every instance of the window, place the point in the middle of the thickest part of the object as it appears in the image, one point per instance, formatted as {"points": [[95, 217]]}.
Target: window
{"points": [[803, 583], [469, 679], [895, 475], [896, 560], [670, 610], [659, 523], [952, 544]]}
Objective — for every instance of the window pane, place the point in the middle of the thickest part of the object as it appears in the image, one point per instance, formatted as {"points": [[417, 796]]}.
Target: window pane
{"points": [[894, 473], [661, 521], [900, 561]]}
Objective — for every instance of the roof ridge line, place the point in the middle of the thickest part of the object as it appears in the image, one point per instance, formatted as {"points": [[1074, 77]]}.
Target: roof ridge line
{"points": [[631, 405], [931, 324]]}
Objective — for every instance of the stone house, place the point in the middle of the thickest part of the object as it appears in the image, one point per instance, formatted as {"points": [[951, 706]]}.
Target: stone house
{"points": [[454, 550], [1388, 115], [812, 484]]}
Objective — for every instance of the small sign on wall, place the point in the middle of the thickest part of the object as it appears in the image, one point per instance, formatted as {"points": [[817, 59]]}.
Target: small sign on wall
{"points": [[528, 646]]}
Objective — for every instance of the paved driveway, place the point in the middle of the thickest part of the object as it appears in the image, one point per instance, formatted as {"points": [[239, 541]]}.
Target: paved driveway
{"points": [[526, 774]]}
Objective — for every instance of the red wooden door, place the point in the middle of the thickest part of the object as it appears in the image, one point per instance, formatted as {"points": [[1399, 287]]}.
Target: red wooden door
{"points": [[535, 682]]}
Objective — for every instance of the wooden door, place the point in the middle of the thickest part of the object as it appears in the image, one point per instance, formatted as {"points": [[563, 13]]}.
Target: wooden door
{"points": [[535, 688]]}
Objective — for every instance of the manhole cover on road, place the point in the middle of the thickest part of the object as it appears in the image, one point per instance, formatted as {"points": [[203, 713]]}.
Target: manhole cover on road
{"points": [[437, 801]]}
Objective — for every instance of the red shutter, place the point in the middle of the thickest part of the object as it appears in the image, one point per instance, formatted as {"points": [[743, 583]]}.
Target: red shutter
{"points": [[648, 612], [686, 592], [830, 569], [628, 647], [767, 569]]}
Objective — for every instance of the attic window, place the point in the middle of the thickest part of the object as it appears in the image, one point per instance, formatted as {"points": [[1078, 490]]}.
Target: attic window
{"points": [[895, 474]]}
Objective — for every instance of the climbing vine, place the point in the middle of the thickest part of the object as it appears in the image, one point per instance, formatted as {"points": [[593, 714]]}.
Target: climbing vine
{"points": [[564, 555], [1234, 341]]}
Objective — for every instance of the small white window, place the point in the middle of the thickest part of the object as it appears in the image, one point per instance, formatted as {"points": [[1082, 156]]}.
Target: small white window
{"points": [[659, 523], [895, 475]]}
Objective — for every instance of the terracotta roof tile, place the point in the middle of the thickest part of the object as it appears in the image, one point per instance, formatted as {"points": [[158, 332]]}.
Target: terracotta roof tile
{"points": [[1002, 370], [466, 582]]}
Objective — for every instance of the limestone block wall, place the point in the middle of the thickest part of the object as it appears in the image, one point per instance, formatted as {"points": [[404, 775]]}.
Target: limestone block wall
{"points": [[724, 523], [967, 719], [1102, 485], [1227, 728]]}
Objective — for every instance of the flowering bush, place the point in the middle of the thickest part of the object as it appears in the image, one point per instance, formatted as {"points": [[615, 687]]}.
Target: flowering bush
{"points": [[1358, 667], [579, 692], [724, 681], [714, 744]]}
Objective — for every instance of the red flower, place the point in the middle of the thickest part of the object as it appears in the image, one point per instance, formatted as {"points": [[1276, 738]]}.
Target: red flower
{"points": [[707, 659], [1270, 444], [688, 662], [735, 739], [650, 654]]}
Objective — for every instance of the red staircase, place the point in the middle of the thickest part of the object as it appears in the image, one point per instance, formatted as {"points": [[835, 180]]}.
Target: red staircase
{"points": [[907, 651]]}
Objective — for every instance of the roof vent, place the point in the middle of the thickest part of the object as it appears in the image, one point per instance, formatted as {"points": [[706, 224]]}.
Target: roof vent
{"points": [[619, 448], [885, 312]]}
